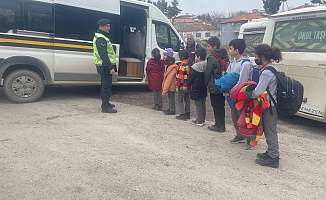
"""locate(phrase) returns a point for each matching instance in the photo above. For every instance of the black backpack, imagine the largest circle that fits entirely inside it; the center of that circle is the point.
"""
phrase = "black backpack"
(289, 94)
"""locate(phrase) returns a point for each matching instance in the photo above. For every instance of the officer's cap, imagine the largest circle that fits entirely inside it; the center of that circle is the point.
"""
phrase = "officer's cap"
(103, 22)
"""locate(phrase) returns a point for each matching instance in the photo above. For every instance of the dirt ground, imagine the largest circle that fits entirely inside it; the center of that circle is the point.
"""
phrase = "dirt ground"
(62, 147)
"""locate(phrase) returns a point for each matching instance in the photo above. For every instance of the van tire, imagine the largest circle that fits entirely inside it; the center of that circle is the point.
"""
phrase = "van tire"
(23, 86)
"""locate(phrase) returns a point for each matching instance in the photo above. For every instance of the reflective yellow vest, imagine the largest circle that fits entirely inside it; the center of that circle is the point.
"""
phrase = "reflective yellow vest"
(110, 50)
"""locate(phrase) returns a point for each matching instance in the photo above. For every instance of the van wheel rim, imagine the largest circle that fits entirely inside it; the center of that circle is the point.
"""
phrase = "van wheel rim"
(24, 86)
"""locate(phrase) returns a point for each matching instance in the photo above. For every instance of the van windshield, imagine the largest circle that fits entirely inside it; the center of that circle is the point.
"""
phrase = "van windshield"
(301, 35)
(252, 40)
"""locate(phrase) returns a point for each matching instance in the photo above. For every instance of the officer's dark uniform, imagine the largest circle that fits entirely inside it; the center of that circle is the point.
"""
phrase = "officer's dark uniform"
(101, 52)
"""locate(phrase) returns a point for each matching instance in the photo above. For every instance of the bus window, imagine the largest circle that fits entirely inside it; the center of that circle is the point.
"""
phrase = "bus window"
(9, 16)
(166, 37)
(301, 36)
(39, 17)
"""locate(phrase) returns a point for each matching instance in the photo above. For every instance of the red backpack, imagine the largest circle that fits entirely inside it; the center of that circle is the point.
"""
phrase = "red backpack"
(224, 64)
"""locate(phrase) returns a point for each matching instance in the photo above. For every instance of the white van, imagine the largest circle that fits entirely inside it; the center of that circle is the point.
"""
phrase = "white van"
(46, 42)
(301, 36)
(253, 34)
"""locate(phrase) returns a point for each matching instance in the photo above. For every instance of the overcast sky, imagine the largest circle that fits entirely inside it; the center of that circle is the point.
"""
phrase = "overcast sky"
(208, 6)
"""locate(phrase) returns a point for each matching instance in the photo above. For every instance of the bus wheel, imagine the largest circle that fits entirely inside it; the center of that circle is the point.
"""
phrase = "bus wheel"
(23, 86)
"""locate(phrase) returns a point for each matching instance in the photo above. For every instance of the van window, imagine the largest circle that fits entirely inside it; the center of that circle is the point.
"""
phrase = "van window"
(39, 17)
(74, 23)
(166, 37)
(301, 36)
(9, 16)
(252, 40)
(80, 24)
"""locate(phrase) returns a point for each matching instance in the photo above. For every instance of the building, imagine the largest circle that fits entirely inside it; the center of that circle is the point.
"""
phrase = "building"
(190, 24)
(230, 28)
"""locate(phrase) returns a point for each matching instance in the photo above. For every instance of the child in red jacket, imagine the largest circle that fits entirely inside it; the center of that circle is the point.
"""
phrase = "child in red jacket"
(155, 72)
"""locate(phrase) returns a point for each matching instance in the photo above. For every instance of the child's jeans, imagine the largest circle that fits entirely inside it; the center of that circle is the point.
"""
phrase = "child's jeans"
(171, 99)
(235, 114)
(201, 109)
(184, 96)
(157, 94)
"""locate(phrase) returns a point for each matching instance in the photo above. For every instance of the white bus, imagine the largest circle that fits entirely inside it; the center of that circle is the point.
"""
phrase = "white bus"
(301, 35)
(253, 34)
(47, 42)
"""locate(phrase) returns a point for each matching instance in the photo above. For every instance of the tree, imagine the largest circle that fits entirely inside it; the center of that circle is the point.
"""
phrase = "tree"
(162, 5)
(173, 9)
(318, 2)
(271, 6)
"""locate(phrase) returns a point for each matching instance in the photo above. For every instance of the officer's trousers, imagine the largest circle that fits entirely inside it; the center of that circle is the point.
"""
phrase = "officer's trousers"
(106, 84)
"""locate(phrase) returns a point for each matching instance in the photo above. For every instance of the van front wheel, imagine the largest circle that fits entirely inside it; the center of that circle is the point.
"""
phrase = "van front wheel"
(23, 86)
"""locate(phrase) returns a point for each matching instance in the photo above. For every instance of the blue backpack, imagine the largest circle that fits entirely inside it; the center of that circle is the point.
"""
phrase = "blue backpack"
(255, 71)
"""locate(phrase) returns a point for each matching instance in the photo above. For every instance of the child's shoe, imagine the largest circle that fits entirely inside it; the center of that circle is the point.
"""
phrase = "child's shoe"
(169, 112)
(248, 147)
(237, 139)
(155, 107)
(181, 117)
(198, 123)
(269, 162)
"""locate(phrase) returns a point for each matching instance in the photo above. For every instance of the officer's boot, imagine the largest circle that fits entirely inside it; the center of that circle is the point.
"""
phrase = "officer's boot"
(107, 107)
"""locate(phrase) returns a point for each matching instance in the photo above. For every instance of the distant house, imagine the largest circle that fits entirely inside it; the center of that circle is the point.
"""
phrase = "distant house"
(190, 24)
(200, 32)
(230, 27)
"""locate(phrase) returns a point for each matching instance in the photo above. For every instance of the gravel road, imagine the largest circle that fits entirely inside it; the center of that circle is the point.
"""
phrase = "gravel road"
(62, 147)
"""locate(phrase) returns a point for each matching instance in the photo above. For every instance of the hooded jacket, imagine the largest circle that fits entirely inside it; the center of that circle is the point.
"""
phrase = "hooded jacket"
(169, 79)
(155, 73)
(196, 80)
(214, 69)
(243, 67)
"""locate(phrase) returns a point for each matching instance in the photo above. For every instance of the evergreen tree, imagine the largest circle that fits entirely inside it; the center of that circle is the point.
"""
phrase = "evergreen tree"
(173, 9)
(271, 6)
(318, 2)
(162, 5)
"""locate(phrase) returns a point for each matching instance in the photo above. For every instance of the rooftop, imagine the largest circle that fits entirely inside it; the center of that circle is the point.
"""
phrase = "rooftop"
(246, 17)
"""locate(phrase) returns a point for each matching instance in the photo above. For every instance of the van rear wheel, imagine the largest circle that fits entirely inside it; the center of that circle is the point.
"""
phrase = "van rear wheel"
(23, 86)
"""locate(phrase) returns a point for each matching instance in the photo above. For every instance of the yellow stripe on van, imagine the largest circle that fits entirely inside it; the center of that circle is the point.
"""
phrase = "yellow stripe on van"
(49, 44)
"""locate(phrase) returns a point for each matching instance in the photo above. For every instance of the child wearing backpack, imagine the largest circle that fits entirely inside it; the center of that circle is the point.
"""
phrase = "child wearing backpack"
(198, 91)
(264, 55)
(242, 66)
(182, 86)
(155, 72)
(212, 72)
(168, 84)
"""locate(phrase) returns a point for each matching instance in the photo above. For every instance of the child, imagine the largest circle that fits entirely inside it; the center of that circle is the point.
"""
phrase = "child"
(182, 86)
(155, 73)
(242, 66)
(198, 91)
(264, 55)
(213, 71)
(168, 85)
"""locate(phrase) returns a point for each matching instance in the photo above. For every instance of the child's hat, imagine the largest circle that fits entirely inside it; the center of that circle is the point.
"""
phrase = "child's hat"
(168, 52)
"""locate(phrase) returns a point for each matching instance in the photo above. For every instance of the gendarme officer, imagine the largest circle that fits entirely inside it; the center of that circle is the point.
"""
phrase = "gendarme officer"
(105, 61)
